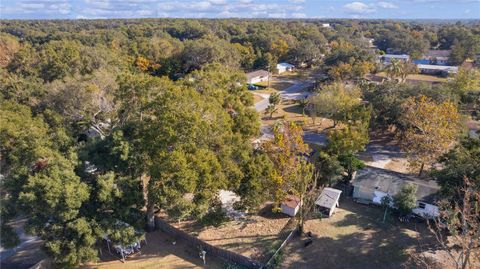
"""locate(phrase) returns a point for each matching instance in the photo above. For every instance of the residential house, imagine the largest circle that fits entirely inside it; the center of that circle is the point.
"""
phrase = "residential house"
(290, 205)
(326, 25)
(435, 57)
(371, 184)
(442, 70)
(327, 202)
(257, 76)
(387, 58)
(473, 128)
(285, 67)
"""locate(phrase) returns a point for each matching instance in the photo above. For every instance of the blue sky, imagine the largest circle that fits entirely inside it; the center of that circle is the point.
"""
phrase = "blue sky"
(73, 9)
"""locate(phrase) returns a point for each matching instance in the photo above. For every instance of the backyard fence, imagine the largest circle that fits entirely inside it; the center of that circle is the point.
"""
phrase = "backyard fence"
(210, 250)
(284, 243)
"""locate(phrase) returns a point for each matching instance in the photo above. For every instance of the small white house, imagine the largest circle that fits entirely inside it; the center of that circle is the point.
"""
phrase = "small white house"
(285, 67)
(326, 25)
(228, 199)
(437, 57)
(290, 205)
(371, 184)
(327, 202)
(257, 76)
(387, 58)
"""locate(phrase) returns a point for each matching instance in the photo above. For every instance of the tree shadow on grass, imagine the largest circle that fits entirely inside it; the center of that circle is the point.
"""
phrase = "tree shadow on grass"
(368, 243)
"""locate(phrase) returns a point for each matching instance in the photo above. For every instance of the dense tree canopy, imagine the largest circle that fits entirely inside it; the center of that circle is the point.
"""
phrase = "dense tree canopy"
(104, 123)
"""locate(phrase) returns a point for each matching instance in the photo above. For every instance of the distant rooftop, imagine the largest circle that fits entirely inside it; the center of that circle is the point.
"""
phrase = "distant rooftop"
(449, 69)
(396, 56)
(438, 54)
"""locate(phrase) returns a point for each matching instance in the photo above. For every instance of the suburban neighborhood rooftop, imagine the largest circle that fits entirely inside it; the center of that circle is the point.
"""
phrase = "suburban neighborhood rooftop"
(391, 182)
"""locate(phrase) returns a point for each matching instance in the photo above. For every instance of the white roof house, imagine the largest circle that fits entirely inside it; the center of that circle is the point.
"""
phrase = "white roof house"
(257, 76)
(290, 205)
(328, 200)
(387, 58)
(284, 67)
(429, 68)
(372, 183)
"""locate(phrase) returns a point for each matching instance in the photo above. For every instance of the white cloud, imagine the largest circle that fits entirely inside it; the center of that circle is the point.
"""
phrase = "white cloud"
(299, 15)
(157, 8)
(277, 15)
(386, 5)
(218, 2)
(358, 8)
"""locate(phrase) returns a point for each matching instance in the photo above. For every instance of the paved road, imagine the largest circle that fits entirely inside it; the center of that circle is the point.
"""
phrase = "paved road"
(294, 92)
(26, 254)
(315, 138)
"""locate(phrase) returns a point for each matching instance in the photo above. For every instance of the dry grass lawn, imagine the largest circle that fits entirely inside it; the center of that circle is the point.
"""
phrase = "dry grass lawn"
(255, 236)
(419, 77)
(291, 111)
(354, 237)
(160, 252)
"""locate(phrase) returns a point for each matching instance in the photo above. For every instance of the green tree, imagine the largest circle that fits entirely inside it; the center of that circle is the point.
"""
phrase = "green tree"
(334, 102)
(345, 143)
(406, 199)
(429, 129)
(463, 161)
(40, 182)
(292, 173)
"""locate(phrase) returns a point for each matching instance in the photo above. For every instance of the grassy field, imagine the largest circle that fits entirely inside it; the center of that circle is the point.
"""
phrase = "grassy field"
(160, 252)
(354, 237)
(256, 236)
(419, 77)
(291, 111)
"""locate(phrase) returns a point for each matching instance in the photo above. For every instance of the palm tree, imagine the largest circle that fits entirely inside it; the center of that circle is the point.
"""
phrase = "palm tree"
(270, 110)
(394, 69)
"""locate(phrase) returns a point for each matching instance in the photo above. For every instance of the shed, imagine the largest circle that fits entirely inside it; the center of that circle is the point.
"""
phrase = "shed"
(372, 183)
(257, 76)
(327, 202)
(291, 205)
(285, 67)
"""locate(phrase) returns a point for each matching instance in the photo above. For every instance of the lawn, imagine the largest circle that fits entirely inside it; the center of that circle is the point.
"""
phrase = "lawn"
(160, 252)
(256, 236)
(419, 77)
(291, 111)
(354, 237)
(275, 85)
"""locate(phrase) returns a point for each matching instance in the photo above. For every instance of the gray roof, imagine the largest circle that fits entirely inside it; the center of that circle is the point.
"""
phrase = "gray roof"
(396, 56)
(391, 182)
(438, 54)
(257, 73)
(449, 69)
(328, 198)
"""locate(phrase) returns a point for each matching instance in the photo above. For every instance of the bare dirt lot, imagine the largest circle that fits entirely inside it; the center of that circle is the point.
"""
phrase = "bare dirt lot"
(355, 237)
(160, 252)
(256, 236)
